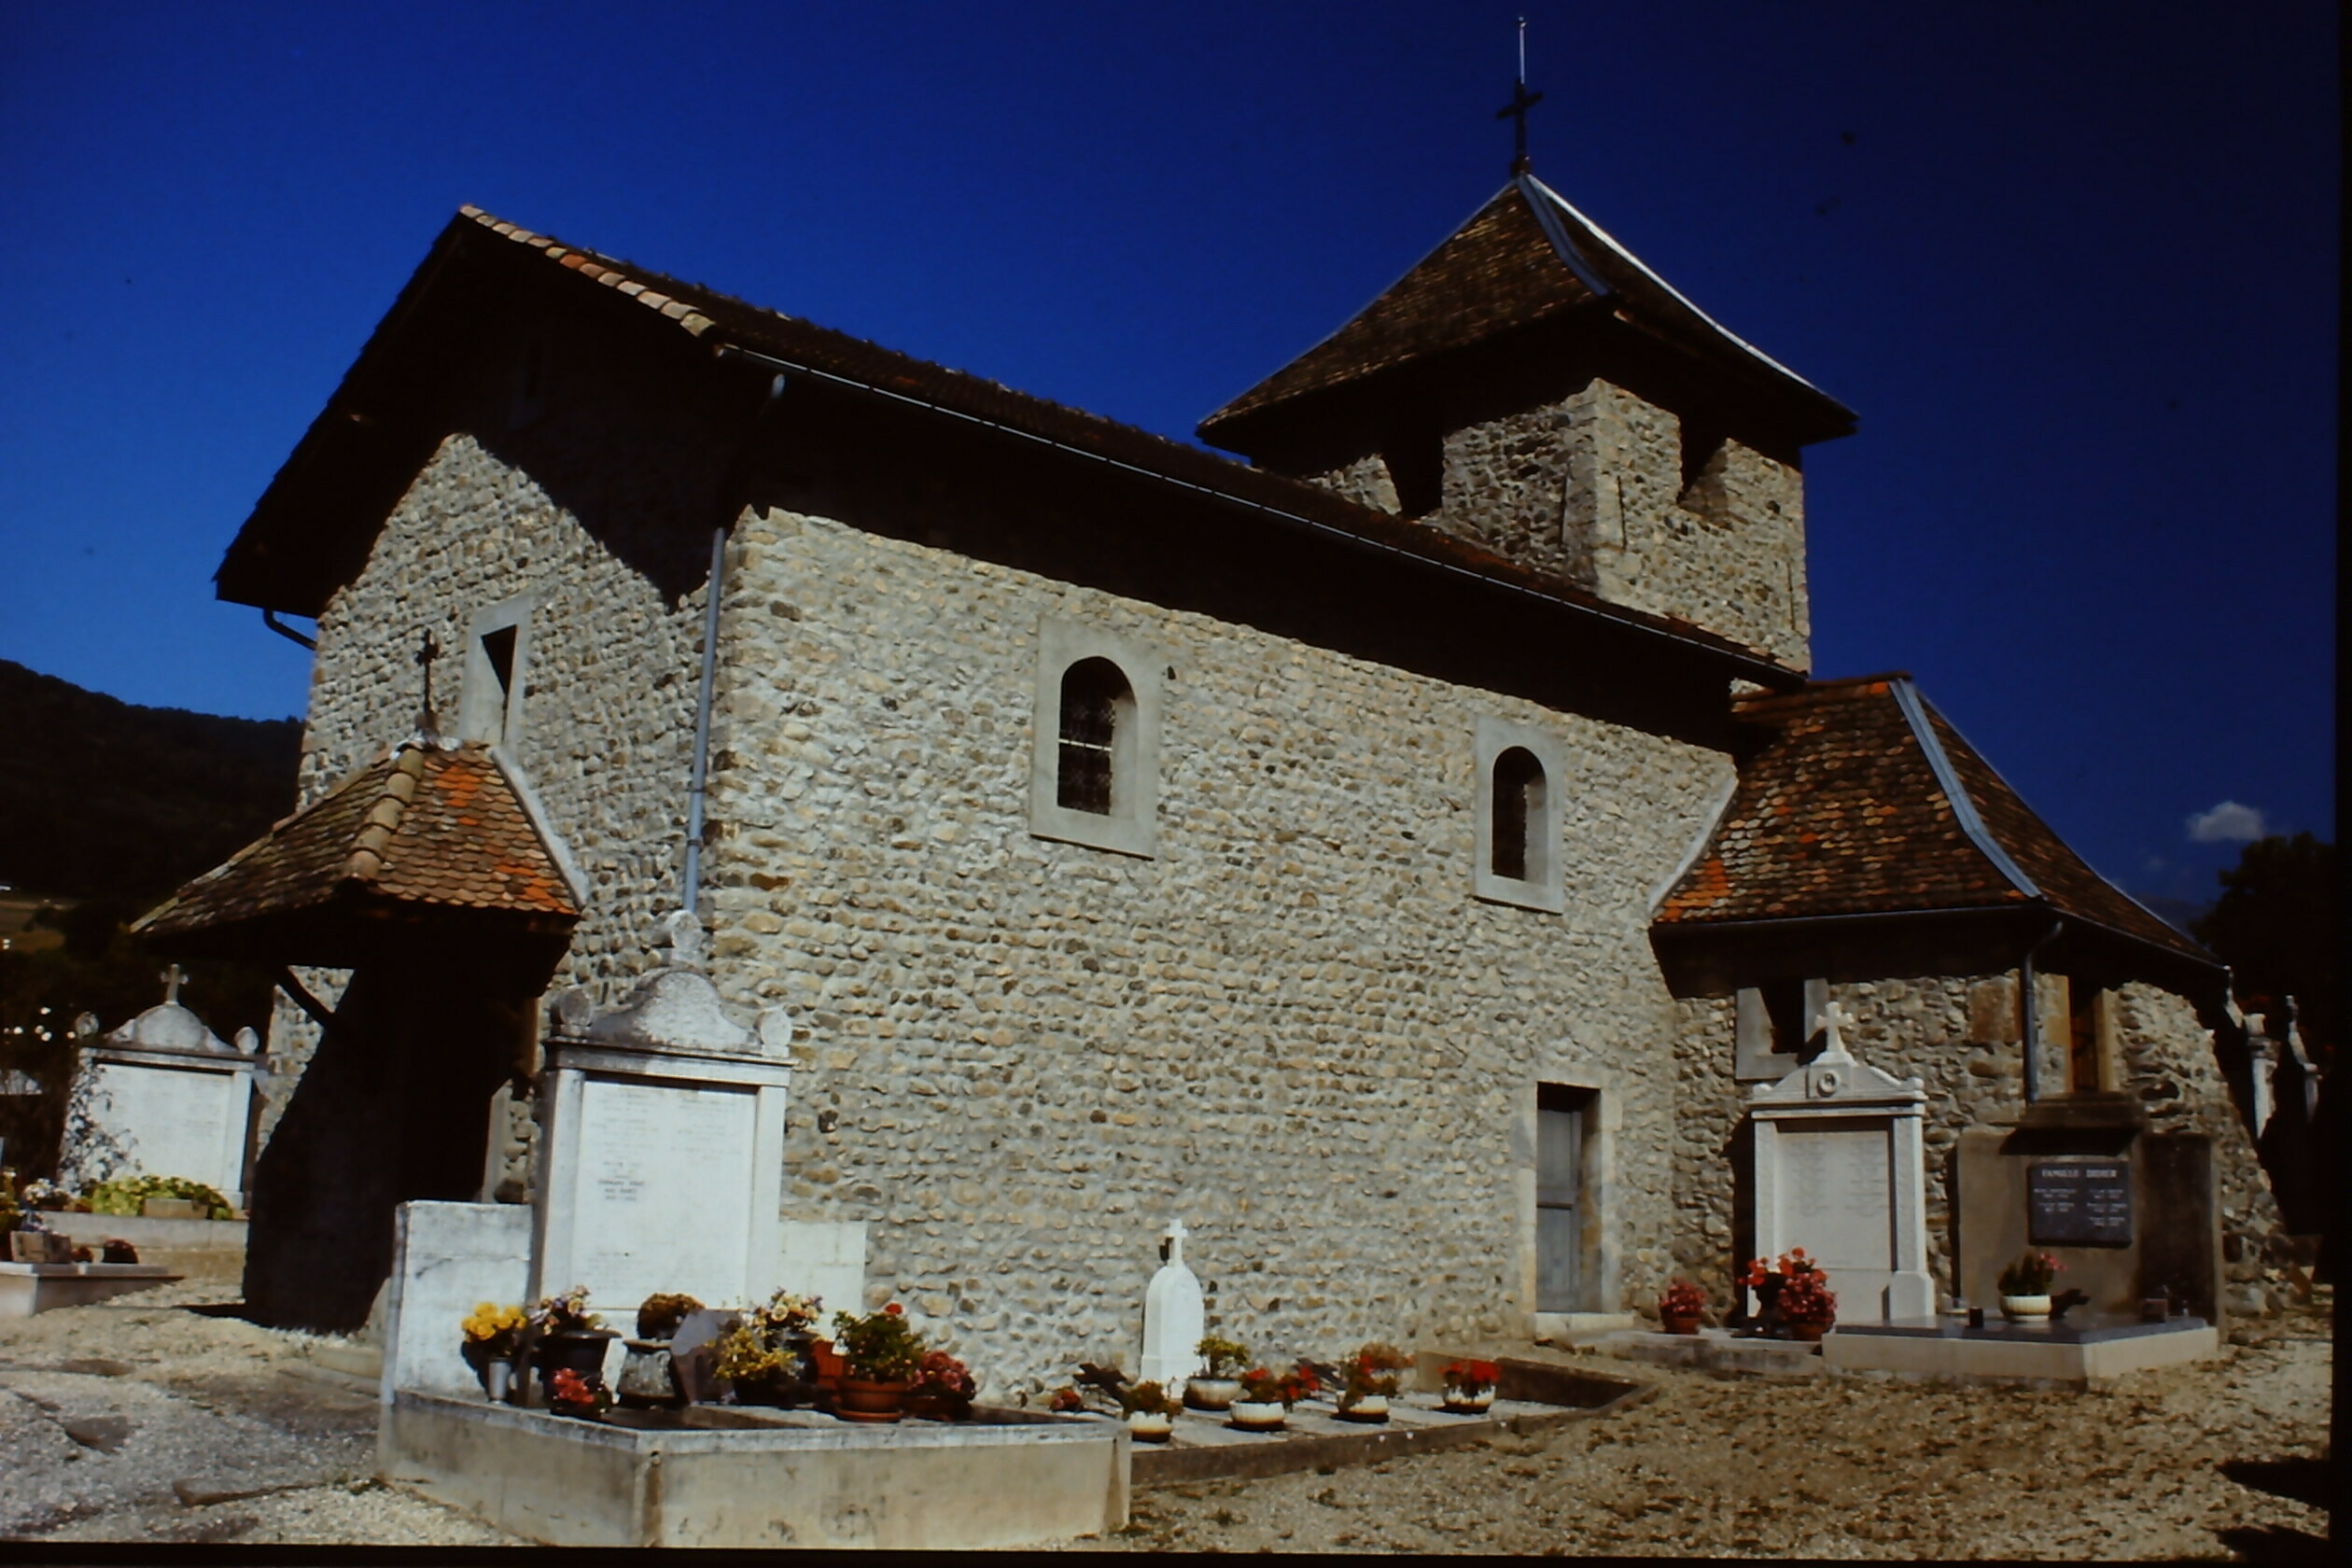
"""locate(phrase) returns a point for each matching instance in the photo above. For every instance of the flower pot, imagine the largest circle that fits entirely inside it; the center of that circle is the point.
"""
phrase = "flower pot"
(582, 1351)
(648, 1379)
(497, 1380)
(860, 1399)
(1807, 1331)
(939, 1407)
(1680, 1322)
(2155, 1308)
(1463, 1404)
(1369, 1408)
(2018, 1308)
(1150, 1426)
(1251, 1415)
(1211, 1393)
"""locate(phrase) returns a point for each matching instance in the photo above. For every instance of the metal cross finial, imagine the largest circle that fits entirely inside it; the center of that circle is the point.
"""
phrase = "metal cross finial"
(170, 978)
(428, 650)
(1522, 101)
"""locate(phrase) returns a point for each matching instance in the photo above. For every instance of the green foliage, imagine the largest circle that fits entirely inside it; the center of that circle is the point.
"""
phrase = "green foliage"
(128, 1194)
(879, 1347)
(2276, 926)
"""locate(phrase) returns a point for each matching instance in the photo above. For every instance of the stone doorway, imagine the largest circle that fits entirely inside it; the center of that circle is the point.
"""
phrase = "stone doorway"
(1563, 1266)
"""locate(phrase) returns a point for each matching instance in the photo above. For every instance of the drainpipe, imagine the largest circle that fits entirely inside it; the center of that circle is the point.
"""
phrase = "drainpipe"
(698, 792)
(2030, 1006)
(269, 619)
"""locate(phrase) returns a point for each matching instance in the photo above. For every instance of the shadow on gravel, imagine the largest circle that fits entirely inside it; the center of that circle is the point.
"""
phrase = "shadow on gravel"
(2299, 1480)
(2276, 1544)
(216, 1309)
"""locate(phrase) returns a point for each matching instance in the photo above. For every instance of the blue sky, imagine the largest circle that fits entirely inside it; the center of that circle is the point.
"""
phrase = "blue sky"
(2073, 265)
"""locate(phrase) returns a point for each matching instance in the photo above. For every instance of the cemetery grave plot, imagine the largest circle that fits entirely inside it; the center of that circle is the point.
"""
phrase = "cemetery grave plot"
(1533, 1398)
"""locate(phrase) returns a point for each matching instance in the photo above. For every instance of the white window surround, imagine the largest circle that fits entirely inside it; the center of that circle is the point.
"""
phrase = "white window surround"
(1542, 887)
(1755, 1058)
(487, 709)
(1131, 828)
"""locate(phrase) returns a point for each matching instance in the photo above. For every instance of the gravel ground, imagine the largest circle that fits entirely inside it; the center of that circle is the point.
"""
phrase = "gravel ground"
(2181, 1462)
(139, 1420)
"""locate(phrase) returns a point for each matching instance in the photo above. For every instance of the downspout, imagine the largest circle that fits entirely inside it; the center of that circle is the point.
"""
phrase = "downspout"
(269, 619)
(2030, 1004)
(698, 792)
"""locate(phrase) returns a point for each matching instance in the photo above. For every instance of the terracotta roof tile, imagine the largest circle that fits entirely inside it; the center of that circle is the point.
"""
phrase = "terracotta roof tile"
(419, 827)
(1844, 812)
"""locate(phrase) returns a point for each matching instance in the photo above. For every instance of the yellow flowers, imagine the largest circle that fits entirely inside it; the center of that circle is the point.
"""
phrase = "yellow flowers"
(492, 1323)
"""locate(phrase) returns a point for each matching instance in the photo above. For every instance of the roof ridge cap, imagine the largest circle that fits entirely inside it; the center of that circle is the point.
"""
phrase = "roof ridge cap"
(366, 860)
(1964, 807)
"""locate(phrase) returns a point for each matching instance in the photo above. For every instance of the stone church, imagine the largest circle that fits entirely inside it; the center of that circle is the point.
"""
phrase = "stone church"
(1399, 852)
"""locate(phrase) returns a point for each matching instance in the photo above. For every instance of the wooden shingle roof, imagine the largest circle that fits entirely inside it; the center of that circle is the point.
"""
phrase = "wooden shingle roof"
(420, 828)
(1865, 801)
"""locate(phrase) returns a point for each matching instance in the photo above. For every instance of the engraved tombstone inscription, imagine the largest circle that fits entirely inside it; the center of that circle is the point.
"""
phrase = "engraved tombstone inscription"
(1835, 1193)
(663, 1201)
(2078, 1202)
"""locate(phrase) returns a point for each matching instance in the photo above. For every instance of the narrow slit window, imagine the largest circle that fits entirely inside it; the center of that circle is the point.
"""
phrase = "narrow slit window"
(498, 648)
(1518, 804)
(2082, 1037)
(1092, 696)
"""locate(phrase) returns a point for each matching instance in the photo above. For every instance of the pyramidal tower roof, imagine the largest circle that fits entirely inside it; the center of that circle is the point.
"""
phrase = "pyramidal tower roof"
(1524, 257)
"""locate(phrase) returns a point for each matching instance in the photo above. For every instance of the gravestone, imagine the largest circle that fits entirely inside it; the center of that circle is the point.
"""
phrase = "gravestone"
(664, 1148)
(160, 1096)
(1174, 1318)
(1840, 1171)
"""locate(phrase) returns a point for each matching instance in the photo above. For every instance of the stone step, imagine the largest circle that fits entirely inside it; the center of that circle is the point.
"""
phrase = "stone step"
(1715, 1349)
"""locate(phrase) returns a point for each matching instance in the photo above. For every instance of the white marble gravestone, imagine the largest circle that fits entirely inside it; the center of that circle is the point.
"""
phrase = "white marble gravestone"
(663, 1161)
(162, 1096)
(1841, 1172)
(1174, 1318)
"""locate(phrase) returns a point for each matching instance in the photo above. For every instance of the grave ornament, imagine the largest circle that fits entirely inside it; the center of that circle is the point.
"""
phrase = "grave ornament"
(1174, 1317)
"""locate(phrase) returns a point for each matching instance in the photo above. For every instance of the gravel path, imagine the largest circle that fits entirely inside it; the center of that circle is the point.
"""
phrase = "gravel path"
(139, 1420)
(1838, 1467)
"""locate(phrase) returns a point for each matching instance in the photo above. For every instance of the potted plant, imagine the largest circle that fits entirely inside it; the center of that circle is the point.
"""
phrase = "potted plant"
(1219, 1381)
(648, 1377)
(880, 1353)
(2026, 1285)
(494, 1339)
(581, 1395)
(1795, 1294)
(1267, 1397)
(765, 1356)
(564, 1335)
(1372, 1382)
(1470, 1386)
(1682, 1308)
(943, 1389)
(1151, 1411)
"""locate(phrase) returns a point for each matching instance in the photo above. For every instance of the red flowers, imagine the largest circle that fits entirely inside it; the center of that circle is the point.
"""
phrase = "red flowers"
(895, 1310)
(1472, 1378)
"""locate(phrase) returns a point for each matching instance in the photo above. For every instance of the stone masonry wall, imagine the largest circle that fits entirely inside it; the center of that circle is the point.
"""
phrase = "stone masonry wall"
(1961, 1037)
(1294, 1026)
(1590, 489)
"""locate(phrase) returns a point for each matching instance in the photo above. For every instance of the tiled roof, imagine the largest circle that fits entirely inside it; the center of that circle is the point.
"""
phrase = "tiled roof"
(1526, 255)
(419, 827)
(1846, 811)
(282, 526)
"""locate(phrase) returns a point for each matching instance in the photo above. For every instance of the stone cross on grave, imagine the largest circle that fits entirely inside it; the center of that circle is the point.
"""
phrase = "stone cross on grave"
(170, 978)
(1834, 1018)
(1175, 1250)
(1174, 1318)
(689, 944)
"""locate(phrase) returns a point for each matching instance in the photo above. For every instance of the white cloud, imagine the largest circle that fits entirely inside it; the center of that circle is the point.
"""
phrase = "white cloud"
(2226, 823)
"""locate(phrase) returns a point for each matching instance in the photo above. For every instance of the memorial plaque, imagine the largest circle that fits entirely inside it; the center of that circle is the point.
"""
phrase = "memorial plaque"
(662, 1197)
(2078, 1203)
(172, 1121)
(1834, 1198)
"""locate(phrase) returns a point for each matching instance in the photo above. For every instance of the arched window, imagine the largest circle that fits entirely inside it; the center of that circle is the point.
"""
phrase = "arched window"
(1094, 699)
(1519, 813)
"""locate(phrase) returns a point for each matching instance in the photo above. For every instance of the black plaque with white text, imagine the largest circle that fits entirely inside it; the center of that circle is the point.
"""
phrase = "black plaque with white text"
(2078, 1202)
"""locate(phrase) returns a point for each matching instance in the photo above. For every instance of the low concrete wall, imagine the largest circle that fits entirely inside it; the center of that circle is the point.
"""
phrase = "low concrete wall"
(27, 1288)
(162, 1235)
(914, 1486)
(447, 1258)
(2085, 1365)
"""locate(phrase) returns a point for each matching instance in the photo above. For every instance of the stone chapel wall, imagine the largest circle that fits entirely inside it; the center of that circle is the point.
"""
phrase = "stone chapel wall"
(1294, 1026)
(1590, 487)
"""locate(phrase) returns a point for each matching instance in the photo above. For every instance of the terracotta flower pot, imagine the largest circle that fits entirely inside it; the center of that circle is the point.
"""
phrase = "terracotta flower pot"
(1680, 1322)
(1807, 1331)
(860, 1399)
